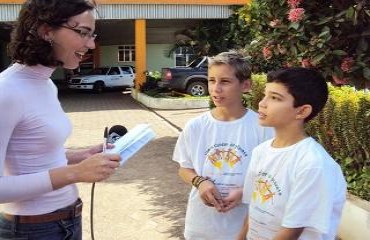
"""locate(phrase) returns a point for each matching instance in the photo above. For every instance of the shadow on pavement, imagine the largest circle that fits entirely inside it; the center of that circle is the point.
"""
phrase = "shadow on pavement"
(144, 199)
(155, 174)
(85, 101)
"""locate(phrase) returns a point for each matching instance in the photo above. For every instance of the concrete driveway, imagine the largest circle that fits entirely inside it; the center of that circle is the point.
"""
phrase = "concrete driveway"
(145, 199)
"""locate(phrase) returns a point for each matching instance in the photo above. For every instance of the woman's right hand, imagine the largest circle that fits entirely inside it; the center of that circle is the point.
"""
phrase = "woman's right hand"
(97, 167)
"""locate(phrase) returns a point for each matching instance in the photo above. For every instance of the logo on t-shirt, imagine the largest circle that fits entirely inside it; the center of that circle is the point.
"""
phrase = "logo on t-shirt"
(224, 153)
(265, 188)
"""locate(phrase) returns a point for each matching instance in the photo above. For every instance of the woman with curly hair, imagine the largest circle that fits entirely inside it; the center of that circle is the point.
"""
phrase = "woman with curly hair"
(37, 175)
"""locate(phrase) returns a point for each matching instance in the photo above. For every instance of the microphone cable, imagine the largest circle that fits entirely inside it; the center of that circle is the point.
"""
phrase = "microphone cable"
(93, 189)
(92, 212)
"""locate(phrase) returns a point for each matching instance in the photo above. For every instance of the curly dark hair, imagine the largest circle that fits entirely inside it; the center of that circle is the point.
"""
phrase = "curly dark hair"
(26, 46)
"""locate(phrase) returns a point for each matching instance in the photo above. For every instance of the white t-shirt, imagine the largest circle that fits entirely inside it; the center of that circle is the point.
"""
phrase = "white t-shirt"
(220, 150)
(33, 129)
(293, 187)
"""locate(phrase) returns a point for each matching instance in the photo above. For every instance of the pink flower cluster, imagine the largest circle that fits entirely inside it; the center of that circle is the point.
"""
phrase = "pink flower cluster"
(296, 14)
(294, 3)
(275, 22)
(267, 53)
(347, 64)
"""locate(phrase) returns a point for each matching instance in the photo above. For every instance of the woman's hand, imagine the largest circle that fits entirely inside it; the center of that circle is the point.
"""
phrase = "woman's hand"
(98, 167)
(95, 168)
(97, 149)
(77, 155)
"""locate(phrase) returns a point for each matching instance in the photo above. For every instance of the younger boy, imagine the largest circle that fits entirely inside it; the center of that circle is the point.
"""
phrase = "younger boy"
(214, 151)
(294, 188)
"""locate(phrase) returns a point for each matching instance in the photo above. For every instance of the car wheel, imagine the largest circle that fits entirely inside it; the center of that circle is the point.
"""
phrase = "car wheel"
(98, 87)
(197, 89)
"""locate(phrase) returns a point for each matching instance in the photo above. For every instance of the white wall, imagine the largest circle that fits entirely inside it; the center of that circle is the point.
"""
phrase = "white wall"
(355, 222)
(156, 56)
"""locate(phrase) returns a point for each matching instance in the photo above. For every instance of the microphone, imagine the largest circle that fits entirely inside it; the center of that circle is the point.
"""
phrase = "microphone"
(132, 142)
(115, 133)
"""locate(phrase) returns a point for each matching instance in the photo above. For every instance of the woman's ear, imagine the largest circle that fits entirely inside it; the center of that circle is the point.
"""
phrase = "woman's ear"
(45, 32)
(303, 111)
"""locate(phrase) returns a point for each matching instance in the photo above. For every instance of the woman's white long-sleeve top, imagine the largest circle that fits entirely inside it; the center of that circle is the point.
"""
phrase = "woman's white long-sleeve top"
(33, 130)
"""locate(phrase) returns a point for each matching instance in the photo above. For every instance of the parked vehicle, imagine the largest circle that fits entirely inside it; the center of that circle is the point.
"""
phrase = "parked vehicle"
(191, 79)
(104, 77)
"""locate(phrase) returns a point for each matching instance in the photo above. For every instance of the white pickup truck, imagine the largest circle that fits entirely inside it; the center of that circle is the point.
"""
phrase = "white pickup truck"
(104, 77)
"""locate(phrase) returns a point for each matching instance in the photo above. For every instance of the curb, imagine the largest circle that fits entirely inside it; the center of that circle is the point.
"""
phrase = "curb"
(167, 103)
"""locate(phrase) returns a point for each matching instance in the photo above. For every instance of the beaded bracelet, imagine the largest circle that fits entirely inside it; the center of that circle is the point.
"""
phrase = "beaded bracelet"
(197, 180)
(202, 180)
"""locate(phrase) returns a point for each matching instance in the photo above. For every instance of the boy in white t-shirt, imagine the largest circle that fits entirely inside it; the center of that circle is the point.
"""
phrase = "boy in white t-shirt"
(294, 187)
(214, 151)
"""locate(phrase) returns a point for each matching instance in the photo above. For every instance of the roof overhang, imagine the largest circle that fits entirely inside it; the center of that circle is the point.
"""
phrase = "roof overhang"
(144, 9)
(190, 2)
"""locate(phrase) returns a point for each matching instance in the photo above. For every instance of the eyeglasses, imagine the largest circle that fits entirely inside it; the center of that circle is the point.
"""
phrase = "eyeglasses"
(83, 34)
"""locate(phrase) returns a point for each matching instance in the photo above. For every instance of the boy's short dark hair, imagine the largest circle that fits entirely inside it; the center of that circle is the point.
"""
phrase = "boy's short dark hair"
(307, 86)
(234, 59)
(26, 46)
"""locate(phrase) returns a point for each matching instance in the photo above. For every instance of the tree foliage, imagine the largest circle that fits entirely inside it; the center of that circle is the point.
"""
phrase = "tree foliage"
(332, 36)
(213, 36)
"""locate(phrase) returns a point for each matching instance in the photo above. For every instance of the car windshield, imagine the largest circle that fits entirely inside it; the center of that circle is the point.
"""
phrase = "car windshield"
(98, 71)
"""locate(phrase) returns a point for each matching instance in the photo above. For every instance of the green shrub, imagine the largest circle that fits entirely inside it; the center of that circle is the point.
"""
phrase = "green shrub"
(343, 128)
(151, 82)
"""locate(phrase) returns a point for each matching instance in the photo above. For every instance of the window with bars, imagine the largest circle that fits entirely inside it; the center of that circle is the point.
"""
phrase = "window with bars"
(126, 53)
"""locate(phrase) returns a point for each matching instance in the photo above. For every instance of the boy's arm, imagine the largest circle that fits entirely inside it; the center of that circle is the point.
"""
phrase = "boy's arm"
(288, 234)
(187, 174)
(243, 232)
(207, 190)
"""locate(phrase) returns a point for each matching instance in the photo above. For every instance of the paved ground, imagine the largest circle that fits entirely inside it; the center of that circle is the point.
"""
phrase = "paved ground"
(145, 199)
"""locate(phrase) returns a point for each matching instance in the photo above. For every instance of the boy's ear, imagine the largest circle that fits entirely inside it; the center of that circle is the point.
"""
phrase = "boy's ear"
(246, 85)
(303, 111)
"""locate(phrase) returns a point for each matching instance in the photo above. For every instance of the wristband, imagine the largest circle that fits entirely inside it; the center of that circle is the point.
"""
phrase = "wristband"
(202, 180)
(198, 180)
(195, 179)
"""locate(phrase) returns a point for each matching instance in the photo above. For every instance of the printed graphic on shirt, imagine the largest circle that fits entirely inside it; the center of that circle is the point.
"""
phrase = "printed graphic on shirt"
(266, 188)
(225, 153)
(225, 156)
(224, 166)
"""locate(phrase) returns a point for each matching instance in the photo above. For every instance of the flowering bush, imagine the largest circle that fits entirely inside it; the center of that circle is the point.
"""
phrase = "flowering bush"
(332, 36)
(296, 14)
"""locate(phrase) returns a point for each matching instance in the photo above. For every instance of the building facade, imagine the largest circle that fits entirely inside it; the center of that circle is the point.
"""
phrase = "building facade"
(139, 33)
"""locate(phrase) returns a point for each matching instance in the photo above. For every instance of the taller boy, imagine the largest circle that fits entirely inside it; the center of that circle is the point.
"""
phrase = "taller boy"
(295, 189)
(214, 151)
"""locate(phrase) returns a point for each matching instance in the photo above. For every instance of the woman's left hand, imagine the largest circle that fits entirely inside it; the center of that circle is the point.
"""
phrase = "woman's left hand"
(97, 149)
(77, 155)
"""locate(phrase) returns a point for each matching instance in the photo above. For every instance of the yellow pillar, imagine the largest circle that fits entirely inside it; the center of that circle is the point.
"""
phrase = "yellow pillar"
(140, 51)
